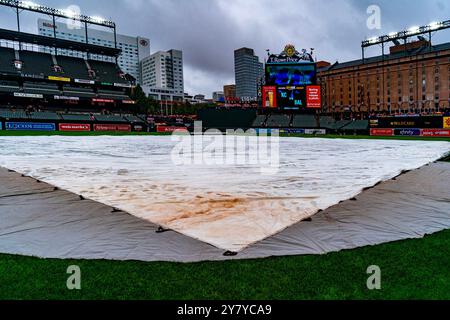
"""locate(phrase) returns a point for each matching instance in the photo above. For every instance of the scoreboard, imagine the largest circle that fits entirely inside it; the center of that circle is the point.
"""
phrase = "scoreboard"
(291, 81)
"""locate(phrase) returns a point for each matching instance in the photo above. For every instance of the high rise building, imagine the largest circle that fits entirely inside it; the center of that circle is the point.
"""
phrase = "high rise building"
(247, 70)
(229, 91)
(134, 49)
(162, 75)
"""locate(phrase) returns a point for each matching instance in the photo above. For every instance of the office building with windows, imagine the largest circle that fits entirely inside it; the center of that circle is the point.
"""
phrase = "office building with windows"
(248, 69)
(162, 75)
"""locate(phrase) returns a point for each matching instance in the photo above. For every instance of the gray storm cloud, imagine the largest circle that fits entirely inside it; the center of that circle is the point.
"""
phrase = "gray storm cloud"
(208, 31)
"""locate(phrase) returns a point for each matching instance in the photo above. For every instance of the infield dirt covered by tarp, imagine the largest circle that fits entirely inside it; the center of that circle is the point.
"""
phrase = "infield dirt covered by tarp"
(37, 220)
(230, 206)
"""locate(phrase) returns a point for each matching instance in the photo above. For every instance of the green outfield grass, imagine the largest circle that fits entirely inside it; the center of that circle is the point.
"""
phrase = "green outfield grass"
(92, 133)
(411, 269)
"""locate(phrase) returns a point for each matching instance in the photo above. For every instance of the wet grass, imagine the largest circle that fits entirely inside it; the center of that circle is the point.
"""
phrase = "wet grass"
(93, 133)
(411, 269)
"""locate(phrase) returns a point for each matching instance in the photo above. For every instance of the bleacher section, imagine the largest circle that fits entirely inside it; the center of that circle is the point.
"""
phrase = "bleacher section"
(75, 117)
(356, 126)
(9, 86)
(305, 121)
(133, 119)
(110, 94)
(73, 67)
(78, 91)
(106, 71)
(37, 64)
(260, 121)
(110, 118)
(227, 118)
(7, 61)
(41, 88)
(278, 121)
(44, 116)
(9, 114)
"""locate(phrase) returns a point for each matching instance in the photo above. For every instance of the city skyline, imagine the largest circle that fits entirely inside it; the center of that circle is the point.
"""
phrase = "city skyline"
(208, 31)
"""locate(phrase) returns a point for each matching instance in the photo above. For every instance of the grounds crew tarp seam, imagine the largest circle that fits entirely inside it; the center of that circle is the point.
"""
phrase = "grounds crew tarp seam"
(47, 223)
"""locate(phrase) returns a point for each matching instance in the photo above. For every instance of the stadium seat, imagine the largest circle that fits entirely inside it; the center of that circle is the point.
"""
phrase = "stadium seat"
(44, 116)
(9, 86)
(356, 126)
(41, 88)
(106, 71)
(76, 117)
(73, 67)
(111, 94)
(227, 118)
(260, 121)
(37, 64)
(133, 119)
(8, 114)
(79, 92)
(278, 121)
(305, 121)
(110, 118)
(7, 60)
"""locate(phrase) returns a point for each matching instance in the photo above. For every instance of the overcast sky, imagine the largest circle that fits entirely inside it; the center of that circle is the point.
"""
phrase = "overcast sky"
(208, 31)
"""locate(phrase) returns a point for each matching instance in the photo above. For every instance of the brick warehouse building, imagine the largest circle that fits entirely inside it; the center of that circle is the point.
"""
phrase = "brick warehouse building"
(412, 78)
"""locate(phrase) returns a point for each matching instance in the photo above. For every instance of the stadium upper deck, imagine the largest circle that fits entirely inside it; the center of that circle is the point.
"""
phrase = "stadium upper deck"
(28, 73)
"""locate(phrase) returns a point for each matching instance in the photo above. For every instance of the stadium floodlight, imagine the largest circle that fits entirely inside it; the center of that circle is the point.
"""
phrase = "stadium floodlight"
(31, 6)
(393, 34)
(434, 25)
(70, 14)
(414, 30)
(98, 19)
(411, 32)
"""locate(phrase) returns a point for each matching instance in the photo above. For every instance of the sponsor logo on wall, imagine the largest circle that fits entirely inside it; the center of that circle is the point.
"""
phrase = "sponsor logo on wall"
(28, 95)
(381, 132)
(112, 127)
(408, 132)
(30, 126)
(436, 133)
(170, 129)
(77, 127)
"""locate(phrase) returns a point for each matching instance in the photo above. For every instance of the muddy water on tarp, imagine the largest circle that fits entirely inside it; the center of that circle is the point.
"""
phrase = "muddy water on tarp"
(229, 206)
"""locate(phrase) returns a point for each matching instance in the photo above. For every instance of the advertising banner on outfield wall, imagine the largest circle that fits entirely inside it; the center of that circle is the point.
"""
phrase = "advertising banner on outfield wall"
(30, 126)
(413, 122)
(381, 132)
(446, 123)
(293, 131)
(316, 131)
(112, 127)
(164, 129)
(74, 127)
(436, 133)
(408, 132)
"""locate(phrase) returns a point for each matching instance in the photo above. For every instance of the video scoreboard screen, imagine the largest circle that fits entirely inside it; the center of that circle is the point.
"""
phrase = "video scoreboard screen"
(291, 74)
(291, 97)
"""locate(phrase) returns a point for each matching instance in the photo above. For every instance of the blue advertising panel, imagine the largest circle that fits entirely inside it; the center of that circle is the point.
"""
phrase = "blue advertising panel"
(293, 131)
(30, 126)
(408, 132)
